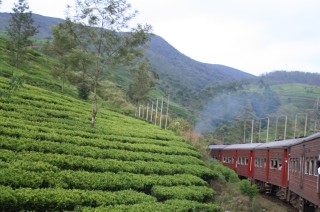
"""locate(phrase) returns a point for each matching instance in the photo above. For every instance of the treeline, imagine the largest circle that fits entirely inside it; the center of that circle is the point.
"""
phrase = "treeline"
(284, 77)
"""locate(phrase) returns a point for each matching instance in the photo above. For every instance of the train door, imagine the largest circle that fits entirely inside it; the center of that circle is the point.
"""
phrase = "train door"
(268, 165)
(250, 164)
(284, 168)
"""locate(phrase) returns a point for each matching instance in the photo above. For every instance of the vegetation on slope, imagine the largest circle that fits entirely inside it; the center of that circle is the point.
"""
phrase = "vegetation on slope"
(52, 159)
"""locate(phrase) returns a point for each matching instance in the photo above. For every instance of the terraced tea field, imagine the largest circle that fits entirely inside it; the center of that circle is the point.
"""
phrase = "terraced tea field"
(51, 159)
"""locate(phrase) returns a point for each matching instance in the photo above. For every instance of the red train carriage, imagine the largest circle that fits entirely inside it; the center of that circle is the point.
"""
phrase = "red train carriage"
(215, 151)
(304, 182)
(288, 167)
(271, 166)
(239, 157)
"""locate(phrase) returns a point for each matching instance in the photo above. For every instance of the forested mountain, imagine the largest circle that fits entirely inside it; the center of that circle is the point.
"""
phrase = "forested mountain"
(212, 96)
(177, 69)
(43, 22)
(179, 76)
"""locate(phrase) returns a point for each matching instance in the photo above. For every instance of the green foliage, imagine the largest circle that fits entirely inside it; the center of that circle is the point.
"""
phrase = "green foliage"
(141, 85)
(225, 173)
(179, 126)
(16, 82)
(167, 206)
(19, 31)
(97, 25)
(247, 189)
(50, 158)
(198, 193)
(63, 199)
(83, 90)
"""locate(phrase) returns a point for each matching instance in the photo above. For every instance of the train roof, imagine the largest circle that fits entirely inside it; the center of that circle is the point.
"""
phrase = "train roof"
(311, 137)
(242, 146)
(280, 144)
(217, 146)
(272, 144)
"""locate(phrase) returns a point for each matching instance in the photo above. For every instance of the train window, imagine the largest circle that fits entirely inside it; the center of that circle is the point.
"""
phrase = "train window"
(315, 169)
(239, 160)
(307, 165)
(300, 164)
(294, 165)
(279, 164)
(274, 164)
(311, 171)
(290, 165)
(247, 160)
(264, 162)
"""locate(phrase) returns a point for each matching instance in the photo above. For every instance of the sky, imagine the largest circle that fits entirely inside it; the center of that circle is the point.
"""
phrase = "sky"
(255, 36)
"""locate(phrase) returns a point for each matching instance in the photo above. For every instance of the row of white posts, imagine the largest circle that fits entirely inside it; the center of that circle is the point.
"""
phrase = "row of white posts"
(147, 112)
(276, 130)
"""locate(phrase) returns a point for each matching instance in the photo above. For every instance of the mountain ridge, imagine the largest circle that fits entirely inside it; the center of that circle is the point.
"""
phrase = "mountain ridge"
(172, 66)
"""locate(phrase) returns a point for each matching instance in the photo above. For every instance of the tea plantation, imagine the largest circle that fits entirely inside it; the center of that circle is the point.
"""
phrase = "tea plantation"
(51, 159)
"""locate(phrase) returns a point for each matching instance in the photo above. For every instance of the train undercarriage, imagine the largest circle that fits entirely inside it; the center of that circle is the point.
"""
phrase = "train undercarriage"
(286, 195)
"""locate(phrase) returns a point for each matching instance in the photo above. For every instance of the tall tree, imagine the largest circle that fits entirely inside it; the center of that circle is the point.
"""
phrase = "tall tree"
(20, 30)
(140, 87)
(102, 24)
(63, 45)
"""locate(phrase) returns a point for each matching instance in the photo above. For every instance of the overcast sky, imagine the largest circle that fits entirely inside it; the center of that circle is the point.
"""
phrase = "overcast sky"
(255, 36)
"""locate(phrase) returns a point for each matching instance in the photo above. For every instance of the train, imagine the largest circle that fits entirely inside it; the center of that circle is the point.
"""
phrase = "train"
(289, 169)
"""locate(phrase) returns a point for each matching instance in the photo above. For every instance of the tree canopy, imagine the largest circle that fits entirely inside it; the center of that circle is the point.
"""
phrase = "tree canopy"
(19, 31)
(101, 29)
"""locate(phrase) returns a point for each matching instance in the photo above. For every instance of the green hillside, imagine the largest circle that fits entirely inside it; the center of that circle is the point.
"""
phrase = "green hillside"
(51, 158)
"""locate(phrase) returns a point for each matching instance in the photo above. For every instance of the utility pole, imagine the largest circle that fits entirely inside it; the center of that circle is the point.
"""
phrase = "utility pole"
(244, 132)
(305, 125)
(252, 122)
(167, 114)
(147, 112)
(161, 112)
(268, 130)
(155, 119)
(151, 111)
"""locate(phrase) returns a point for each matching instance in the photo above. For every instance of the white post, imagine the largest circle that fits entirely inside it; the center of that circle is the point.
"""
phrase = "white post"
(155, 119)
(151, 111)
(275, 135)
(167, 114)
(161, 113)
(268, 130)
(285, 129)
(252, 122)
(142, 112)
(139, 111)
(305, 125)
(244, 132)
(295, 126)
(259, 129)
(147, 112)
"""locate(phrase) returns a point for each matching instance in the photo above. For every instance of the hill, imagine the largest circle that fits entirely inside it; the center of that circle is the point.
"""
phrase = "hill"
(178, 70)
(43, 22)
(51, 158)
(180, 76)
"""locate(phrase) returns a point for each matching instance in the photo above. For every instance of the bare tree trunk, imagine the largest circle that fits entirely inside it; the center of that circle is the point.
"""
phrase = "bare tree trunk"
(95, 108)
